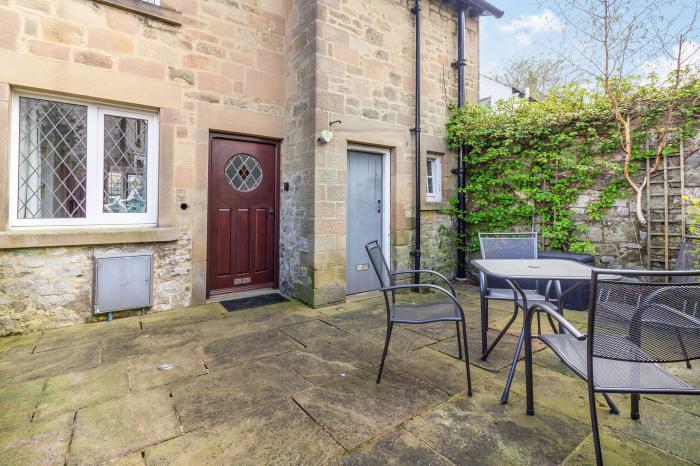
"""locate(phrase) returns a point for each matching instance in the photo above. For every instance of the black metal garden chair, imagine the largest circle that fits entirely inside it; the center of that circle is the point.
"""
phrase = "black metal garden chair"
(505, 245)
(442, 310)
(632, 326)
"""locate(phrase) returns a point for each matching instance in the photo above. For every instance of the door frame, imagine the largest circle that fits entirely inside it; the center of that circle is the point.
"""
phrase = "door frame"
(385, 152)
(276, 257)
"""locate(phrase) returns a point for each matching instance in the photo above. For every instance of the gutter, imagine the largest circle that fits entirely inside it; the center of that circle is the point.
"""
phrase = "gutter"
(416, 253)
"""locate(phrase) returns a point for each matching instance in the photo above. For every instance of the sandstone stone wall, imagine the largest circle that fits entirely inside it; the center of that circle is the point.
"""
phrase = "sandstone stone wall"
(365, 78)
(52, 287)
(619, 240)
(281, 69)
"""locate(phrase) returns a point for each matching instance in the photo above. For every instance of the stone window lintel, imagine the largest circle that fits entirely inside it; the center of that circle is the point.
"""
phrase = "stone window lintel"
(162, 13)
(41, 238)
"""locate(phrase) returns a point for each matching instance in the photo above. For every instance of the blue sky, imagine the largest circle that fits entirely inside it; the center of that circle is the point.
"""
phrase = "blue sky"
(529, 28)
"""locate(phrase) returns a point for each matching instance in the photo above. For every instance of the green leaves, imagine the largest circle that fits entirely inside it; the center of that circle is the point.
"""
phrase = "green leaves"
(531, 163)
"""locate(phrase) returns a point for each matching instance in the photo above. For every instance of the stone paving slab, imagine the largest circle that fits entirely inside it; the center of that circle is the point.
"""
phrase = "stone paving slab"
(144, 372)
(321, 362)
(17, 403)
(118, 427)
(18, 344)
(438, 369)
(226, 351)
(359, 322)
(621, 449)
(355, 409)
(395, 448)
(479, 430)
(44, 442)
(45, 364)
(74, 390)
(312, 330)
(150, 323)
(92, 332)
(213, 398)
(121, 347)
(660, 425)
(272, 387)
(278, 433)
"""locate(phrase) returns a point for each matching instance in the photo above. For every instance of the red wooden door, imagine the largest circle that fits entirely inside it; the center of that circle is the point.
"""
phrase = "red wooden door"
(242, 252)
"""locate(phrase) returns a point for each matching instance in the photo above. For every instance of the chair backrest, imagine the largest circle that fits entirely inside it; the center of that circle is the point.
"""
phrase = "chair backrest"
(646, 319)
(688, 256)
(509, 245)
(376, 257)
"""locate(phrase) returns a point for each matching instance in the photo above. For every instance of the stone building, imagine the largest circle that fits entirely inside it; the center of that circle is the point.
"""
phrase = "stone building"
(190, 129)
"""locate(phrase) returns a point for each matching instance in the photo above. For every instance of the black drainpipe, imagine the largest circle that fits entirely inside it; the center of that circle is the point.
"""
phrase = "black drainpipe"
(461, 166)
(416, 133)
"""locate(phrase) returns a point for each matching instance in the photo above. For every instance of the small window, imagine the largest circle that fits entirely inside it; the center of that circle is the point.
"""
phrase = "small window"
(152, 2)
(433, 186)
(77, 163)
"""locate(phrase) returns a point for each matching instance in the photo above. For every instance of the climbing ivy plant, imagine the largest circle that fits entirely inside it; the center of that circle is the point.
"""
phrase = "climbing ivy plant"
(529, 163)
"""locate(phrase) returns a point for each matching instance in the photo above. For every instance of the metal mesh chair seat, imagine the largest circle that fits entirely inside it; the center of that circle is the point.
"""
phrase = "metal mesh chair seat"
(403, 313)
(506, 294)
(611, 374)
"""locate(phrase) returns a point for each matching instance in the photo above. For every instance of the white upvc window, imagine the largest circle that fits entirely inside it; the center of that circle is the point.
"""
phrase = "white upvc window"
(433, 178)
(76, 163)
(152, 2)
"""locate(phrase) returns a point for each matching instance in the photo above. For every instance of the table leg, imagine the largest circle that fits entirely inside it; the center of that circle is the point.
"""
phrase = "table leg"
(511, 372)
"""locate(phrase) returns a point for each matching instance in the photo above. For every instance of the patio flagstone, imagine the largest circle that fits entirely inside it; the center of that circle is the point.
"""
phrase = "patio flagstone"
(17, 402)
(355, 408)
(144, 372)
(278, 433)
(312, 330)
(619, 448)
(150, 323)
(112, 429)
(215, 397)
(480, 430)
(74, 390)
(285, 384)
(435, 368)
(25, 367)
(44, 442)
(251, 346)
(396, 448)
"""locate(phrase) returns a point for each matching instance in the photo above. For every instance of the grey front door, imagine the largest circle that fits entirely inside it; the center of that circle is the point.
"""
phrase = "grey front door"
(364, 221)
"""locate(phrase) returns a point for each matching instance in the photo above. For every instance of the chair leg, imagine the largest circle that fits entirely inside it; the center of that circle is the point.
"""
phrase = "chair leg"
(484, 323)
(466, 358)
(511, 372)
(685, 352)
(389, 328)
(613, 407)
(635, 406)
(486, 353)
(594, 427)
(459, 340)
(555, 329)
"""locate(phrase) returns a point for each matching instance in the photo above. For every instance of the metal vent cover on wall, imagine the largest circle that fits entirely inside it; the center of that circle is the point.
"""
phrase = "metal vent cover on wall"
(122, 280)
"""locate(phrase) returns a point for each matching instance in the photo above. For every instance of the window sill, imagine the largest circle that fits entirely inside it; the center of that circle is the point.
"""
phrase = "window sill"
(41, 238)
(147, 9)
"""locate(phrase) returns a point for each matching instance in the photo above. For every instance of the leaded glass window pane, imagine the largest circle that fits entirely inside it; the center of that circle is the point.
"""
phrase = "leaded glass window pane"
(243, 172)
(52, 175)
(125, 164)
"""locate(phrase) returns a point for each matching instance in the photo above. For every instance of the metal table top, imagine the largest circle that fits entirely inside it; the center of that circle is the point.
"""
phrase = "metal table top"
(537, 269)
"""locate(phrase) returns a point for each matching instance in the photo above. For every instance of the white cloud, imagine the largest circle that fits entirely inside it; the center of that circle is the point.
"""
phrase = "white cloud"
(534, 24)
(523, 39)
(663, 65)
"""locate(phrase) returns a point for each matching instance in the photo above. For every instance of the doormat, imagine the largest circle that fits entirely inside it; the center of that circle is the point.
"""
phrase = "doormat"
(232, 305)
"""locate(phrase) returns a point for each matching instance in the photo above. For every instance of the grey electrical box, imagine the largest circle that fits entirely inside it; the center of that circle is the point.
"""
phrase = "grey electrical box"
(122, 281)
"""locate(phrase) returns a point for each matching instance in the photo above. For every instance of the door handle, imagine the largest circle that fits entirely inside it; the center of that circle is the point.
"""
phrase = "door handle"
(271, 212)
(379, 206)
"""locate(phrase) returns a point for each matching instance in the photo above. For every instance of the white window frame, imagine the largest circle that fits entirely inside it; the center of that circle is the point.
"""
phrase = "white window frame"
(436, 161)
(94, 215)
